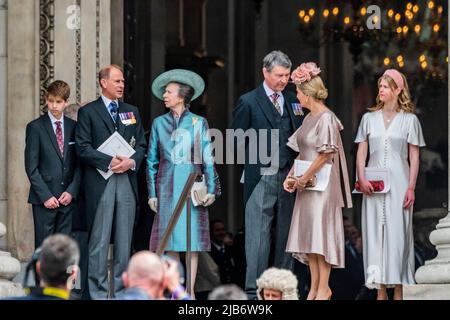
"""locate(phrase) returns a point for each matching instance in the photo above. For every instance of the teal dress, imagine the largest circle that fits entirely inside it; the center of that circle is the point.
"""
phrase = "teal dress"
(177, 148)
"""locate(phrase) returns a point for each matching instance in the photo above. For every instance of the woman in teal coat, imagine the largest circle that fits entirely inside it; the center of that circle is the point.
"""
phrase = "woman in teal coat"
(180, 145)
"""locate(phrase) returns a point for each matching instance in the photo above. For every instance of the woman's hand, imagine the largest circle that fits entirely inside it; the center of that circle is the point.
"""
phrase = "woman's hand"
(153, 204)
(365, 187)
(209, 200)
(301, 183)
(409, 199)
(289, 184)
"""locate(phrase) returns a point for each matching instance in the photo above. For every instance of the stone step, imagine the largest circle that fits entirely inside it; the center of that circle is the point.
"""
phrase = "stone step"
(426, 292)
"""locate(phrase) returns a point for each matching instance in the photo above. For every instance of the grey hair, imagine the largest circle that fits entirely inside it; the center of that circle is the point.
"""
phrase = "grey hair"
(105, 72)
(276, 58)
(279, 279)
(227, 292)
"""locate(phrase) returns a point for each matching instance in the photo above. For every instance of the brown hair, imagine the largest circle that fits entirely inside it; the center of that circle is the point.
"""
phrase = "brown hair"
(105, 72)
(58, 88)
(404, 98)
(58, 254)
(314, 88)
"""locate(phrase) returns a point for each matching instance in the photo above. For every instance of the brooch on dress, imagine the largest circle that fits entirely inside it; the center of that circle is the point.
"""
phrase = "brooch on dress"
(194, 121)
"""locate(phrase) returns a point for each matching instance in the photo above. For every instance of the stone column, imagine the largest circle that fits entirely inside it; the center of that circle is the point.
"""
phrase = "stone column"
(433, 278)
(81, 43)
(9, 268)
(63, 41)
(117, 32)
(23, 106)
(3, 103)
(95, 45)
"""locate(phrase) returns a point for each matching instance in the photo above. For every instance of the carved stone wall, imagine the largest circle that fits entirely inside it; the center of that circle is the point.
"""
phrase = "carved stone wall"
(46, 46)
(48, 40)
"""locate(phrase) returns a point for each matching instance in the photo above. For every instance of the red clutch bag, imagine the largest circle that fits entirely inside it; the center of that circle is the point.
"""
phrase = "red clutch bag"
(378, 185)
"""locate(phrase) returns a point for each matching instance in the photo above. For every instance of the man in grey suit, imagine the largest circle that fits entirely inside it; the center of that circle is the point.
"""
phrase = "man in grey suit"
(267, 108)
(110, 204)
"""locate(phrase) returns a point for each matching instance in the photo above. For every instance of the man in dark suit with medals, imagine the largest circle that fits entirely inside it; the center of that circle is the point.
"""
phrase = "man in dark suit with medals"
(111, 203)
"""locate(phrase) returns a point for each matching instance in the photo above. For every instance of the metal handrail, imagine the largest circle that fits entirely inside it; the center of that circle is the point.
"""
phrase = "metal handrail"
(185, 198)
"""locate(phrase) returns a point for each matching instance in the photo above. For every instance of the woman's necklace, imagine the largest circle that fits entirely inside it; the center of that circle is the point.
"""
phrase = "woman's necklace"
(389, 118)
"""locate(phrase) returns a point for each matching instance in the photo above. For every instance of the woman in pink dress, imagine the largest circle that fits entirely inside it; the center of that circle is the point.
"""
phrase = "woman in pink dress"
(316, 235)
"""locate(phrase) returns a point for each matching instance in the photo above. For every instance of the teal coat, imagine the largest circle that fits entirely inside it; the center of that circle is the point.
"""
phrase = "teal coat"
(176, 149)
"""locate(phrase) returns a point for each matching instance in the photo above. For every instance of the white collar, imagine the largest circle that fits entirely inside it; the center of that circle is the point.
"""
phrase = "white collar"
(53, 119)
(107, 101)
(270, 92)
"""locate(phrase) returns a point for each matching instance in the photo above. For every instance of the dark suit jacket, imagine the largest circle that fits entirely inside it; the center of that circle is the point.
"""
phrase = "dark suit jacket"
(94, 127)
(50, 174)
(224, 261)
(254, 110)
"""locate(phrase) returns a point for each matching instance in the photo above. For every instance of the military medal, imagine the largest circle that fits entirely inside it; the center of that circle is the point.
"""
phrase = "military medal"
(127, 118)
(297, 108)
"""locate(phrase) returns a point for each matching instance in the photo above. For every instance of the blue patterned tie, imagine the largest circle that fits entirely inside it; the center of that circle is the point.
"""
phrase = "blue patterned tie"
(113, 110)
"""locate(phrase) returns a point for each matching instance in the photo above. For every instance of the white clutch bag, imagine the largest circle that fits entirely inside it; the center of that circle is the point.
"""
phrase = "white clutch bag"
(322, 176)
(199, 192)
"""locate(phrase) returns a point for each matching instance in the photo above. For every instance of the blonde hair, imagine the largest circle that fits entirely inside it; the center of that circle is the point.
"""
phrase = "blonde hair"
(314, 88)
(404, 98)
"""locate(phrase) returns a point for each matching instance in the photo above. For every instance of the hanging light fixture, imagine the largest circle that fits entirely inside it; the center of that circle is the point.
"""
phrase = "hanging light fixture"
(405, 25)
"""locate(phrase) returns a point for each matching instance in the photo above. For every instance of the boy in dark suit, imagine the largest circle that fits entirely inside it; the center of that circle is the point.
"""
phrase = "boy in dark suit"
(52, 166)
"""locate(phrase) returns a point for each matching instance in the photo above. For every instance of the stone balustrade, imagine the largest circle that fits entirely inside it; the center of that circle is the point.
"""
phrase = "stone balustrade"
(9, 268)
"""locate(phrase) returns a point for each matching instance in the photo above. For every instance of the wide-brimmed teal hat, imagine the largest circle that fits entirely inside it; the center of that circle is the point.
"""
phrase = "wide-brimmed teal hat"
(181, 76)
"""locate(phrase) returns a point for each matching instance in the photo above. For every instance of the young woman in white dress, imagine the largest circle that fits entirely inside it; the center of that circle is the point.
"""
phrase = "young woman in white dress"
(392, 135)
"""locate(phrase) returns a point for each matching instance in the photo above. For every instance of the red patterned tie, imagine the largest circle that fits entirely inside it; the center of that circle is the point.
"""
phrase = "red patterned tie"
(59, 137)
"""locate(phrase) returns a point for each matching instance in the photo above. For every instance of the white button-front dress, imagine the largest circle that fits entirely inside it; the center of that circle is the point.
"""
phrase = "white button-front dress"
(387, 230)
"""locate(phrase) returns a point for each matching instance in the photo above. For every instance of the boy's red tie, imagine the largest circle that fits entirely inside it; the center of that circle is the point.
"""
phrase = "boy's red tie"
(59, 137)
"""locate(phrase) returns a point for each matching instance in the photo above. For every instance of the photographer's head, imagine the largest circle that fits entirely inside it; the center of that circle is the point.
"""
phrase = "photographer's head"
(154, 275)
(145, 271)
(57, 264)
